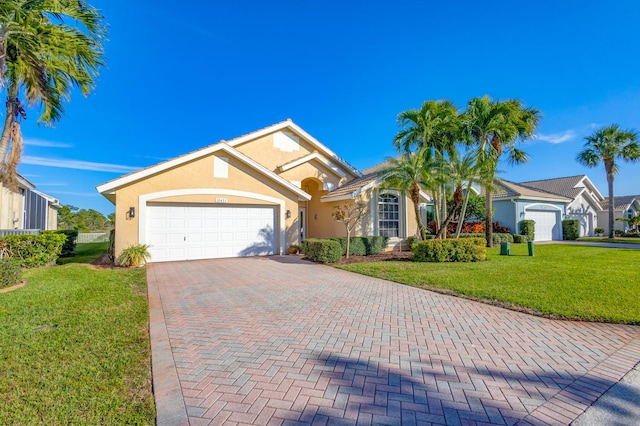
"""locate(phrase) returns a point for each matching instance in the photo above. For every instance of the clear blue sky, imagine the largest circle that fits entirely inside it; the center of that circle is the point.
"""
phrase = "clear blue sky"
(181, 76)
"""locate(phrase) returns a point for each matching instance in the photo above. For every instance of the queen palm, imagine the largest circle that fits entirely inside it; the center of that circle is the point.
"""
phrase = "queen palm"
(609, 145)
(47, 47)
(494, 127)
(411, 172)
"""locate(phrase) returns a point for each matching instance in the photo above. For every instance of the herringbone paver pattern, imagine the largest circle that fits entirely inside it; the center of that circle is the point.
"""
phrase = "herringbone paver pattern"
(280, 341)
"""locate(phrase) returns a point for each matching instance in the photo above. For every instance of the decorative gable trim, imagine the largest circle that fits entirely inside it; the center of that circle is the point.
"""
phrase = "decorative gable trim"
(288, 124)
(313, 156)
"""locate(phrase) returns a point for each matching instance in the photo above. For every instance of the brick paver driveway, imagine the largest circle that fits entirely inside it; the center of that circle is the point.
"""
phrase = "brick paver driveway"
(280, 341)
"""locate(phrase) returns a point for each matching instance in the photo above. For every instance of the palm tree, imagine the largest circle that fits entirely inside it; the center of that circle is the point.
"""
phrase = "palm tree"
(608, 145)
(435, 128)
(410, 172)
(493, 127)
(47, 47)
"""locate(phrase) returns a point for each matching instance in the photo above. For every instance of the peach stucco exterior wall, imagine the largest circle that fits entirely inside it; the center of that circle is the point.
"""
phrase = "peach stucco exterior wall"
(11, 206)
(194, 175)
(52, 218)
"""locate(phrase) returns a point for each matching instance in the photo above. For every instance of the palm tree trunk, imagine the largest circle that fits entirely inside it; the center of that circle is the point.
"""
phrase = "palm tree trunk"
(463, 211)
(5, 138)
(442, 232)
(415, 198)
(488, 223)
(609, 168)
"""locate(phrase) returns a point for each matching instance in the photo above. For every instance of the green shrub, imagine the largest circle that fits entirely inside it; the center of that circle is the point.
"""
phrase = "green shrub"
(363, 246)
(451, 250)
(375, 244)
(632, 234)
(356, 246)
(599, 231)
(69, 247)
(322, 250)
(33, 250)
(519, 239)
(502, 238)
(134, 256)
(618, 233)
(464, 235)
(10, 273)
(570, 229)
(528, 228)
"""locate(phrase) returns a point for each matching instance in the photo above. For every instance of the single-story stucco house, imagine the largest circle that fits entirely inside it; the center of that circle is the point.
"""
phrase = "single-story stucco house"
(26, 208)
(548, 202)
(256, 194)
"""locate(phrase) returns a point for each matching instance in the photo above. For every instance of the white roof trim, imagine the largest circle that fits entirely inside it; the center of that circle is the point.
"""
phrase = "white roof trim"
(290, 124)
(328, 198)
(592, 187)
(53, 201)
(313, 156)
(110, 187)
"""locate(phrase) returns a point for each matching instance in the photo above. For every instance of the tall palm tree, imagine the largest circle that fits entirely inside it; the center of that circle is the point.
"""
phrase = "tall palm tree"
(494, 127)
(608, 145)
(435, 128)
(47, 47)
(410, 172)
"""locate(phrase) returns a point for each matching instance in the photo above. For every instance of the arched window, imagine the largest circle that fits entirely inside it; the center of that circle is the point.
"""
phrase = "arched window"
(389, 215)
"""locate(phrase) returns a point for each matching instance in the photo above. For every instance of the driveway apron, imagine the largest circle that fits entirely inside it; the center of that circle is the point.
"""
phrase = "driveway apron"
(276, 340)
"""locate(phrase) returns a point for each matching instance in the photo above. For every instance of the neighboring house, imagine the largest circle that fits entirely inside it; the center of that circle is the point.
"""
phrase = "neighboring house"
(627, 206)
(27, 208)
(585, 205)
(256, 194)
(514, 202)
(549, 201)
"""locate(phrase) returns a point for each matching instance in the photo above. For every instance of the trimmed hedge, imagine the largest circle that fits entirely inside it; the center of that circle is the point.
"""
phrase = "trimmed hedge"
(570, 229)
(356, 246)
(363, 246)
(33, 250)
(451, 250)
(10, 273)
(69, 248)
(497, 237)
(502, 238)
(519, 239)
(322, 250)
(528, 228)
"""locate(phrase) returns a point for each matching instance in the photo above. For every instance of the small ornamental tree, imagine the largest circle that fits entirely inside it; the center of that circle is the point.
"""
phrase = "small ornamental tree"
(350, 214)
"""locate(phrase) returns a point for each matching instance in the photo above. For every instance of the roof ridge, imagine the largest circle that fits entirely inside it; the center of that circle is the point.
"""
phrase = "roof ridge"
(558, 178)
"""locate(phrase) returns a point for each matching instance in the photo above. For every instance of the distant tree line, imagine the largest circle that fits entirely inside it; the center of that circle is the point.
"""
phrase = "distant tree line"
(71, 217)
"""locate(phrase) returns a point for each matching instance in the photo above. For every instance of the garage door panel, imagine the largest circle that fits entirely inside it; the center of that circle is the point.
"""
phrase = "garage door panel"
(546, 224)
(199, 232)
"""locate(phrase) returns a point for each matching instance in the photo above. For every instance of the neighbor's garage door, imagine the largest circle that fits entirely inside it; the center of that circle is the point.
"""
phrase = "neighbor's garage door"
(185, 232)
(546, 226)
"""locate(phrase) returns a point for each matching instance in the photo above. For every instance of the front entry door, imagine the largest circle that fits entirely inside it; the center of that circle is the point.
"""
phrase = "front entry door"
(302, 223)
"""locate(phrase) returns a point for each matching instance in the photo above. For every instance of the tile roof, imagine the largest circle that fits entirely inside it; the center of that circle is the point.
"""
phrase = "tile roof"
(352, 187)
(620, 203)
(505, 189)
(564, 186)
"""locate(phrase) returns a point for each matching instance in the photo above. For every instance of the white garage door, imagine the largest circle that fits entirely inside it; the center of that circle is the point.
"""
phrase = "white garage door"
(185, 232)
(546, 226)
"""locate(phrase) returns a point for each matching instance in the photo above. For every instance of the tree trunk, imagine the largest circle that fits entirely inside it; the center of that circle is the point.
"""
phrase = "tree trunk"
(463, 211)
(609, 168)
(415, 199)
(5, 138)
(442, 232)
(488, 232)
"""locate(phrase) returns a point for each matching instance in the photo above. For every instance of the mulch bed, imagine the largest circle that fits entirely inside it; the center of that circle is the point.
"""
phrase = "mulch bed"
(402, 256)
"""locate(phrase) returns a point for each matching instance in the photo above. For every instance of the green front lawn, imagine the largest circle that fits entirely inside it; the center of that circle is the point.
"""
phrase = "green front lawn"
(74, 348)
(86, 253)
(591, 283)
